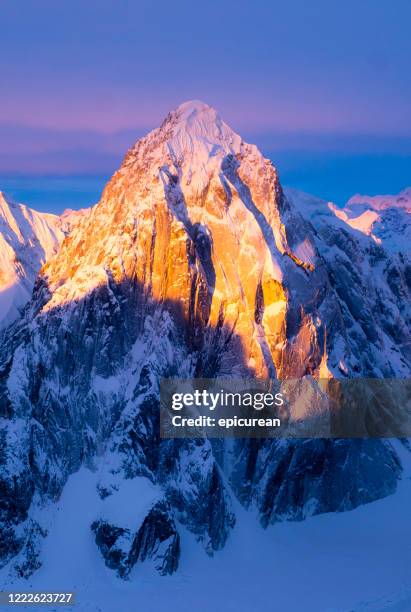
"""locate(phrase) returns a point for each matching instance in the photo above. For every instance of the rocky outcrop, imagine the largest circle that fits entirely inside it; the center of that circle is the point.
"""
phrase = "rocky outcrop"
(155, 540)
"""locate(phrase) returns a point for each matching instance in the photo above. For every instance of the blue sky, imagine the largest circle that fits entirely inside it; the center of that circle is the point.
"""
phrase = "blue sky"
(323, 87)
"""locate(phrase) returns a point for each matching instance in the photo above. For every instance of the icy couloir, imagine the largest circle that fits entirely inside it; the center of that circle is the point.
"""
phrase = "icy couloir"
(194, 263)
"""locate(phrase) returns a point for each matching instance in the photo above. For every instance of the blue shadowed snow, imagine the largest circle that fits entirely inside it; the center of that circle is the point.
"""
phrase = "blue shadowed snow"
(356, 561)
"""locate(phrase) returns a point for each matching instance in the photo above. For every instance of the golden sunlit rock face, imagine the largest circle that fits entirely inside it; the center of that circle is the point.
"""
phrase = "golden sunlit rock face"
(198, 220)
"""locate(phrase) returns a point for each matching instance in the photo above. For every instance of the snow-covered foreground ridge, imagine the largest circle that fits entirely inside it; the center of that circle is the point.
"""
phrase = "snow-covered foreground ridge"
(354, 561)
(194, 263)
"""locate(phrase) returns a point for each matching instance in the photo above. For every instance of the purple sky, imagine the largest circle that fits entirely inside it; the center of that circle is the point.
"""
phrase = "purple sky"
(81, 80)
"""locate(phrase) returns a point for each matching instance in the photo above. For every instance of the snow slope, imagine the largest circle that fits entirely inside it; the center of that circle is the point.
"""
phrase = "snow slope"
(386, 218)
(27, 239)
(345, 562)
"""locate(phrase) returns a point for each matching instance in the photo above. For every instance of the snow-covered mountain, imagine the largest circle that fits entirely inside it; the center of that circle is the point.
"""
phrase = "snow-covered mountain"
(366, 248)
(386, 218)
(27, 240)
(194, 263)
(381, 202)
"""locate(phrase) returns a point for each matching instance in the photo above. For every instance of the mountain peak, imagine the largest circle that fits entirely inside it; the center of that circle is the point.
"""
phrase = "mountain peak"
(194, 107)
(195, 113)
(192, 141)
(195, 124)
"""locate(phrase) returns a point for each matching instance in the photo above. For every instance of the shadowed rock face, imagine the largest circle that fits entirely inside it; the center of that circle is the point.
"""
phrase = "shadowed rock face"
(193, 263)
(290, 480)
(156, 539)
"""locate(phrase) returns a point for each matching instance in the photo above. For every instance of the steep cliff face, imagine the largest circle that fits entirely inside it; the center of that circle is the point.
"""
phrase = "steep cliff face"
(194, 263)
(195, 217)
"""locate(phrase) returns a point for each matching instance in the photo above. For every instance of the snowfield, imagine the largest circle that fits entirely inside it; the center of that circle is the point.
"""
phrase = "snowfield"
(338, 562)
